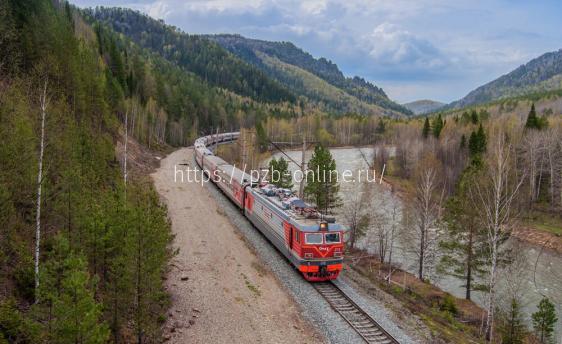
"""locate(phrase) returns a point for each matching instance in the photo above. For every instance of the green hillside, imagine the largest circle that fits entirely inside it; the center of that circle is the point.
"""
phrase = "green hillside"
(541, 74)
(328, 97)
(252, 51)
(193, 53)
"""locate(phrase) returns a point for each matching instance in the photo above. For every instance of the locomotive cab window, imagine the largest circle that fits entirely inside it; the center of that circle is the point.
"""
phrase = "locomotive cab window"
(313, 238)
(333, 238)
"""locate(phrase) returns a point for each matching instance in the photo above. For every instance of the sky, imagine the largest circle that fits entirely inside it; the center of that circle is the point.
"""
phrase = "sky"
(416, 49)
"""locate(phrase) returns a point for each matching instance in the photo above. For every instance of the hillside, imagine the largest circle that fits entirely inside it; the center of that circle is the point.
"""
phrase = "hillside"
(541, 74)
(420, 107)
(261, 54)
(94, 270)
(193, 53)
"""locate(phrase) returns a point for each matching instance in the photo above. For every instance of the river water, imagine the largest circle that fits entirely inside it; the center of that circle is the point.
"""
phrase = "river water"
(542, 270)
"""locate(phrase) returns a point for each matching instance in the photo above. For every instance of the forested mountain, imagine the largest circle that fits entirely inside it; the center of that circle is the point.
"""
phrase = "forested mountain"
(312, 77)
(541, 74)
(194, 53)
(424, 106)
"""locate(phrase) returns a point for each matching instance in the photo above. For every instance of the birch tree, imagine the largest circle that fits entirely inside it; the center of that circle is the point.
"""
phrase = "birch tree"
(493, 195)
(427, 204)
(355, 212)
(43, 106)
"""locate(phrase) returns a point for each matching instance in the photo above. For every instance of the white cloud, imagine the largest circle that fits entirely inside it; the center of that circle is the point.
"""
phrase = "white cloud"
(390, 44)
(158, 9)
(313, 7)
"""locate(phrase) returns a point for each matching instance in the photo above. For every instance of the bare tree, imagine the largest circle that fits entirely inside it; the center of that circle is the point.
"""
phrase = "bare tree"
(354, 213)
(427, 208)
(493, 195)
(511, 294)
(43, 105)
(533, 153)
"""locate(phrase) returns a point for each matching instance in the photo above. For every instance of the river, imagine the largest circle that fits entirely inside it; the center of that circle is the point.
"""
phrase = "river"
(542, 270)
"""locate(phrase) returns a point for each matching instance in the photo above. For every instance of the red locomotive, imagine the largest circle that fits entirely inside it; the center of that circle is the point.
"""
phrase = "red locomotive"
(312, 242)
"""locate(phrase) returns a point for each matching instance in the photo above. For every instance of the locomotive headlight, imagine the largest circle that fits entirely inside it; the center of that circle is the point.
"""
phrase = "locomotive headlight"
(323, 226)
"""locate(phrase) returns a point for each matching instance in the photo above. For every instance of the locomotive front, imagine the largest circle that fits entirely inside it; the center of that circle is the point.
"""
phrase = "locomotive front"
(321, 251)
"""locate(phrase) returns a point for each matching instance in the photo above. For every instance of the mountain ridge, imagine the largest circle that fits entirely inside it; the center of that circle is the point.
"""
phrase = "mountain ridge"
(541, 74)
(252, 51)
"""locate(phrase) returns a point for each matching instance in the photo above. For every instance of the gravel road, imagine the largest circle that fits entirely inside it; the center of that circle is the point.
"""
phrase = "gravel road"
(221, 292)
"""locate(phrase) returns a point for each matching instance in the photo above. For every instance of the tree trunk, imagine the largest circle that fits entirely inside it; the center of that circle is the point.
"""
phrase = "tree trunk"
(469, 263)
(43, 102)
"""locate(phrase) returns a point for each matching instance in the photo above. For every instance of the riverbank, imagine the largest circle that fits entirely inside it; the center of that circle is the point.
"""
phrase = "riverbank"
(526, 233)
(444, 318)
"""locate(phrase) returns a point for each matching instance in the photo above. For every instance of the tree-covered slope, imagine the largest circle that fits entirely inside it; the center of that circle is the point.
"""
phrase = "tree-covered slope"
(252, 51)
(195, 53)
(541, 74)
(327, 97)
(103, 243)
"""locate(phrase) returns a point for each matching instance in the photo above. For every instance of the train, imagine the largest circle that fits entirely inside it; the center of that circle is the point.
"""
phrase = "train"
(312, 242)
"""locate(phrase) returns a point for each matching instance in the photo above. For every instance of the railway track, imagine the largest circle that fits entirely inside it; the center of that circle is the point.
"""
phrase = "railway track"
(363, 323)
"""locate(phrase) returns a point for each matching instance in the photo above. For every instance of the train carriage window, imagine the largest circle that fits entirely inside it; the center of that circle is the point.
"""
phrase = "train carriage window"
(333, 238)
(313, 238)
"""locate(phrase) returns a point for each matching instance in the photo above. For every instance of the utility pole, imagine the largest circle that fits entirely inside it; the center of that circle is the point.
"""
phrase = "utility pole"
(243, 137)
(303, 167)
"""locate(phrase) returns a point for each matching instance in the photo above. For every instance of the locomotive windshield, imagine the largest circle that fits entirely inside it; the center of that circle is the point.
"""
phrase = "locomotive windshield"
(333, 238)
(313, 238)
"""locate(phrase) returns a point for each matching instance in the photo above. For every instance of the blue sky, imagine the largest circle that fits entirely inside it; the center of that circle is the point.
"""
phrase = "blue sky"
(413, 49)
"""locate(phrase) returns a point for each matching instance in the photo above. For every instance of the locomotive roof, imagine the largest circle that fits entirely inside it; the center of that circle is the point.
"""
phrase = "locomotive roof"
(297, 218)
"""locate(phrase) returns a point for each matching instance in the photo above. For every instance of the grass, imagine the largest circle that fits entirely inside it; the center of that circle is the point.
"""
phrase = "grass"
(544, 221)
(250, 286)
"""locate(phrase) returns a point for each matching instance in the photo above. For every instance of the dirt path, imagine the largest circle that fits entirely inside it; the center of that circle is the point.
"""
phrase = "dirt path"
(220, 291)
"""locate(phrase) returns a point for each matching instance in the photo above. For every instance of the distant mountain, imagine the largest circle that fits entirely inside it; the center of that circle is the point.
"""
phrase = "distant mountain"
(420, 107)
(320, 80)
(539, 75)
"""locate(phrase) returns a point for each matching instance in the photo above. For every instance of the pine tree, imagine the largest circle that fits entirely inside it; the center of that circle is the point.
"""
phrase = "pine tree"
(482, 142)
(532, 120)
(67, 297)
(322, 185)
(474, 117)
(464, 250)
(426, 128)
(477, 142)
(544, 320)
(279, 173)
(513, 330)
(438, 125)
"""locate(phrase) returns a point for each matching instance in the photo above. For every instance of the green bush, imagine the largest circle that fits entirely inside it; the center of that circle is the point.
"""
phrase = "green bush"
(448, 305)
